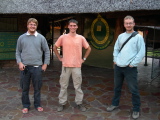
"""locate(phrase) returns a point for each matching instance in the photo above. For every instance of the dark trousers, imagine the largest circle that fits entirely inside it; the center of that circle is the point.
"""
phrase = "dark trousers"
(130, 75)
(34, 74)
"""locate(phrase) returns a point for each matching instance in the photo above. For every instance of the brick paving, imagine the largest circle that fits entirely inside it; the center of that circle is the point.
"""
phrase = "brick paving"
(98, 91)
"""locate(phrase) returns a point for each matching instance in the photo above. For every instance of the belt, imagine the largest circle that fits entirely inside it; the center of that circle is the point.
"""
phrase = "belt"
(32, 66)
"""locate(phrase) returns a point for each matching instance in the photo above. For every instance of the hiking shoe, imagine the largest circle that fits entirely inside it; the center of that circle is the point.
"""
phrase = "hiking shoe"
(81, 107)
(135, 115)
(60, 108)
(111, 108)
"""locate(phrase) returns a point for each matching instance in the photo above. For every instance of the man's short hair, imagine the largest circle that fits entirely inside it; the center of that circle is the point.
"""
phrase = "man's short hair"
(129, 17)
(32, 20)
(73, 21)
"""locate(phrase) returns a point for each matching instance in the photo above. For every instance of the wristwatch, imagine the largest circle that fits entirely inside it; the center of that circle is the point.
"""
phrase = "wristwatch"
(84, 59)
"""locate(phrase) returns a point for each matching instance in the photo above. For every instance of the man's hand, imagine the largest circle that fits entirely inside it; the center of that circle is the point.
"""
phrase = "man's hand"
(130, 66)
(44, 67)
(57, 53)
(83, 61)
(60, 59)
(21, 66)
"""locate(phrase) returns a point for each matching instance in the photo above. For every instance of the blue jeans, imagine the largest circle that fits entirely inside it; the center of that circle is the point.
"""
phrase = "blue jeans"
(34, 74)
(130, 75)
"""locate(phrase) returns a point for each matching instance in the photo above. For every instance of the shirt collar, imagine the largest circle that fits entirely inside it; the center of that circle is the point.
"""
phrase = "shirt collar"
(35, 34)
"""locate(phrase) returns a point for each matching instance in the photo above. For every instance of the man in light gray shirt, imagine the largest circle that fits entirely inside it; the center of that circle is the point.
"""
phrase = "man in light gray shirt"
(126, 60)
(29, 51)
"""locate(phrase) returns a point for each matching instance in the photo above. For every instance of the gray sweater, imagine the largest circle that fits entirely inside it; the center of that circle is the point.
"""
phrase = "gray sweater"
(30, 49)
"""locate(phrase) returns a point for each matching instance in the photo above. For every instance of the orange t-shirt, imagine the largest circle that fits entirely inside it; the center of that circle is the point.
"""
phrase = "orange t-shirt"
(72, 49)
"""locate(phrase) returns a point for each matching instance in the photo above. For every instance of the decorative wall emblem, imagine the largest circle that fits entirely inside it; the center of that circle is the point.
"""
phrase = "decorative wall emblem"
(100, 33)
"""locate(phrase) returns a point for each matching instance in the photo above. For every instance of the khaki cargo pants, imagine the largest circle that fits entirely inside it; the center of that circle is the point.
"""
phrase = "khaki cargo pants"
(64, 81)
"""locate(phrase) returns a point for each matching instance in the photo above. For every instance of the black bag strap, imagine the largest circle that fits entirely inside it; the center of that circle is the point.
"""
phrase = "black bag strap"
(133, 34)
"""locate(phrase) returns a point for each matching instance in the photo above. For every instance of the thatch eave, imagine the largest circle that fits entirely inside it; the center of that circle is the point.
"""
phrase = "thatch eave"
(75, 6)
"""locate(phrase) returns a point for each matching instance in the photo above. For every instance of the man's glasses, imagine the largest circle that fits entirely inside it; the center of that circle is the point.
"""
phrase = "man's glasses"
(128, 23)
(32, 25)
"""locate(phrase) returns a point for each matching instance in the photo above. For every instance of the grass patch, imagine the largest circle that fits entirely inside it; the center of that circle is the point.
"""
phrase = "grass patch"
(153, 53)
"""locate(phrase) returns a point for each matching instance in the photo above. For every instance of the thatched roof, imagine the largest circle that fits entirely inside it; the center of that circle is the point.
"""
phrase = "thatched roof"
(75, 6)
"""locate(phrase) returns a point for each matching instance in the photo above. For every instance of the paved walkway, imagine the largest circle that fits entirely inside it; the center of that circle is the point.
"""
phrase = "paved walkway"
(98, 92)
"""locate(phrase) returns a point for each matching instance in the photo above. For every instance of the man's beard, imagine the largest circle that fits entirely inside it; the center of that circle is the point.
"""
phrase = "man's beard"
(129, 30)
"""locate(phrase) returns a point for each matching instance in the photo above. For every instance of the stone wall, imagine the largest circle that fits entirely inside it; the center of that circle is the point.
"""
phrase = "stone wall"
(8, 64)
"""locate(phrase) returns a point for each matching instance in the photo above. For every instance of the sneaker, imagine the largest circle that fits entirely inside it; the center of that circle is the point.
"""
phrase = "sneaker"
(111, 108)
(135, 115)
(81, 107)
(60, 108)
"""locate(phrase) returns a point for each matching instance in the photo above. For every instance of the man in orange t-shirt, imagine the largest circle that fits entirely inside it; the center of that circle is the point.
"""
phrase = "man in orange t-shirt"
(72, 44)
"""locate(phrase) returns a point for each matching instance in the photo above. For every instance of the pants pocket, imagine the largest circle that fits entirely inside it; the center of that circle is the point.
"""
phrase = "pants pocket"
(21, 79)
(21, 83)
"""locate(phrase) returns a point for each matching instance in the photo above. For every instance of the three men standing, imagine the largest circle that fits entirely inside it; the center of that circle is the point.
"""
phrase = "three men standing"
(30, 47)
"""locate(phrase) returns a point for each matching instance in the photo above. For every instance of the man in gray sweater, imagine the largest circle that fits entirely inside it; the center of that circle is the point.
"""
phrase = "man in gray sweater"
(29, 51)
